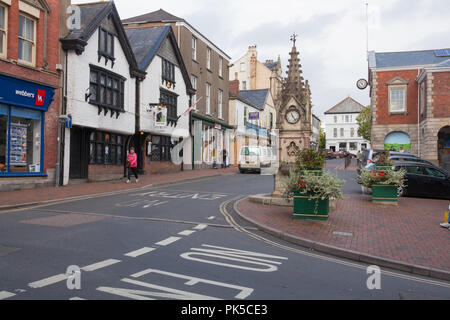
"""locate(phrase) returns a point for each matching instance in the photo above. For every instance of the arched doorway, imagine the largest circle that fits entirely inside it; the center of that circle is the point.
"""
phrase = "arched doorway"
(398, 141)
(444, 147)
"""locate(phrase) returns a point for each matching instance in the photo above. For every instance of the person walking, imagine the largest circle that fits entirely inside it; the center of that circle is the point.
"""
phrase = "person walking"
(358, 158)
(224, 158)
(132, 165)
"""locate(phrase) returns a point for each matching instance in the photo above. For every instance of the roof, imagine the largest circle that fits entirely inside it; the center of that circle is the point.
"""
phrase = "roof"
(271, 65)
(348, 105)
(444, 63)
(145, 43)
(155, 16)
(256, 97)
(406, 58)
(242, 99)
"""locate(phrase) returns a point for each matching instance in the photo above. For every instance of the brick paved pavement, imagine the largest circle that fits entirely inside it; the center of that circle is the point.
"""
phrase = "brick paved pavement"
(12, 198)
(409, 233)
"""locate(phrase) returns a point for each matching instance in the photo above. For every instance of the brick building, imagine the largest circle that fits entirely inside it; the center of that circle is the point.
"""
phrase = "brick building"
(410, 102)
(29, 91)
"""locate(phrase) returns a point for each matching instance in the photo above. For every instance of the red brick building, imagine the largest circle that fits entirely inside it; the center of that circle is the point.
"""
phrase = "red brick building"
(29, 91)
(410, 102)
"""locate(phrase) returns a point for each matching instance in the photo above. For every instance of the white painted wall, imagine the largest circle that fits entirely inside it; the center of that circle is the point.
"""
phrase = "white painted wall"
(330, 125)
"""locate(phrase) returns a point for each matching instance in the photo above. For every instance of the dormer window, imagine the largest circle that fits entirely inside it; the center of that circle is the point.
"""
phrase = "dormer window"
(105, 45)
(168, 73)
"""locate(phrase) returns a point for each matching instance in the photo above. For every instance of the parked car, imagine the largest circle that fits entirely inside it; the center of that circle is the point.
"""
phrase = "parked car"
(424, 180)
(409, 158)
(253, 158)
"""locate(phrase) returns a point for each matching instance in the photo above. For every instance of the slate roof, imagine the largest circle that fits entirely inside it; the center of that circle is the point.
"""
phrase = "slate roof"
(145, 43)
(256, 97)
(242, 99)
(406, 58)
(444, 64)
(155, 16)
(348, 105)
(90, 12)
(271, 65)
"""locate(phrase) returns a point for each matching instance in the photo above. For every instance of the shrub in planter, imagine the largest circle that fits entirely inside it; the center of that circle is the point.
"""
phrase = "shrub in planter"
(311, 193)
(384, 183)
(311, 160)
(382, 161)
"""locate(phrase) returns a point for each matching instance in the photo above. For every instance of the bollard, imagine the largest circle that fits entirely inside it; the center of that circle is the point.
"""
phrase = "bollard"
(446, 223)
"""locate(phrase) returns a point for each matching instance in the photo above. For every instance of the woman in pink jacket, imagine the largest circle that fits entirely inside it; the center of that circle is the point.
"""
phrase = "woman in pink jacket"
(132, 164)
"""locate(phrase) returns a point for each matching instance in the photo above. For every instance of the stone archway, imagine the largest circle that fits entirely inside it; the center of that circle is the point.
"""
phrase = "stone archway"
(444, 147)
(398, 141)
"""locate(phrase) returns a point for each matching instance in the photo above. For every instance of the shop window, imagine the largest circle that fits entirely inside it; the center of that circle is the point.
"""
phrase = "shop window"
(353, 146)
(3, 30)
(161, 148)
(106, 148)
(27, 39)
(106, 89)
(20, 140)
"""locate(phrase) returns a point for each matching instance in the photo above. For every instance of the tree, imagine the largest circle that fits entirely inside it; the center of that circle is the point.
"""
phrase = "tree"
(322, 140)
(363, 121)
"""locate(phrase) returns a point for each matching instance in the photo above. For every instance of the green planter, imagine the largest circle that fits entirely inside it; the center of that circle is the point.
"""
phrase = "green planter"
(384, 194)
(315, 171)
(314, 209)
(382, 168)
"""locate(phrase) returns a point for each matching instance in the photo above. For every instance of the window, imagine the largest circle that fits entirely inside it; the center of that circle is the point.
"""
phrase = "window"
(352, 132)
(335, 119)
(422, 98)
(271, 120)
(353, 146)
(194, 86)
(106, 89)
(168, 72)
(106, 148)
(343, 146)
(3, 31)
(169, 99)
(242, 67)
(433, 172)
(20, 140)
(244, 85)
(161, 148)
(27, 40)
(106, 44)
(397, 99)
(219, 104)
(208, 98)
(347, 119)
(221, 67)
(342, 132)
(335, 132)
(245, 115)
(194, 48)
(414, 170)
(208, 58)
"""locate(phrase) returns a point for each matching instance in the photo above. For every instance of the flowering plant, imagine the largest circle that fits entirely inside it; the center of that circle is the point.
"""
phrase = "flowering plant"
(309, 158)
(325, 186)
(385, 177)
(382, 159)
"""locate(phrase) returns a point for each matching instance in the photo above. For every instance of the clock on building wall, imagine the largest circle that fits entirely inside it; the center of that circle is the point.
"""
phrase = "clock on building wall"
(292, 116)
(362, 84)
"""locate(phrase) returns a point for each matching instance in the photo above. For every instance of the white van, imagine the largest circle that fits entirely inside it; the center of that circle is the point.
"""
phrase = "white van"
(253, 158)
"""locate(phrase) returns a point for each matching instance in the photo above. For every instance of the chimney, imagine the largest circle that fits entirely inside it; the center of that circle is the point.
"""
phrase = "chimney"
(234, 85)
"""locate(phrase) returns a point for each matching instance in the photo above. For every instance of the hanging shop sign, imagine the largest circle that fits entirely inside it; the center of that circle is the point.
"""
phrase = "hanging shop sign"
(161, 116)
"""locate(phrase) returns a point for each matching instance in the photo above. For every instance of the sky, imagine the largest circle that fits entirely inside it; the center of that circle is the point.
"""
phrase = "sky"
(332, 34)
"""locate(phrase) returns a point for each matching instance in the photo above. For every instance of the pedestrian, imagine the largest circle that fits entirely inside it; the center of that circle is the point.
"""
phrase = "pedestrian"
(358, 158)
(224, 158)
(132, 165)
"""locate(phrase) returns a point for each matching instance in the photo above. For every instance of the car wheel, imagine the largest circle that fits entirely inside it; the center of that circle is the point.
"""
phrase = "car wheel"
(401, 191)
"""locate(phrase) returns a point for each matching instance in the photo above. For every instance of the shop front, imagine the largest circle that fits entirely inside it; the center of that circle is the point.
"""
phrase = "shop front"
(23, 106)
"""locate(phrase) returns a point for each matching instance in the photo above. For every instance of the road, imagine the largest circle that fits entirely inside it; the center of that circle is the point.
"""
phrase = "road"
(179, 241)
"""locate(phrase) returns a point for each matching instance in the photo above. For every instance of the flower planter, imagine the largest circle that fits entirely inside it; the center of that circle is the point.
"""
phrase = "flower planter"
(314, 209)
(314, 171)
(387, 194)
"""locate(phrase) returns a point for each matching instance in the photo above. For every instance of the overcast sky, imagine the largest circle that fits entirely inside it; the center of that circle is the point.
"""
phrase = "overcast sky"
(332, 33)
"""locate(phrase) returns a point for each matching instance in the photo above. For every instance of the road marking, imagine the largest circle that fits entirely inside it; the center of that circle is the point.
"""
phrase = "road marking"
(76, 298)
(211, 218)
(168, 241)
(139, 252)
(99, 265)
(48, 281)
(200, 227)
(6, 295)
(186, 232)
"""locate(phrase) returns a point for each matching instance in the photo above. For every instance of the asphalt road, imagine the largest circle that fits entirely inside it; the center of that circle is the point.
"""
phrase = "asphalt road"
(180, 241)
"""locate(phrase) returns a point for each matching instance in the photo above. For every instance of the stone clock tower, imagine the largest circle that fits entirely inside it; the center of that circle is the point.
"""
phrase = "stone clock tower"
(294, 117)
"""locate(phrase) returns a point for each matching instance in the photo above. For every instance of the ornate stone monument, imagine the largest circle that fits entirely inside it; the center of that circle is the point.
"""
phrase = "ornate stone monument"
(293, 119)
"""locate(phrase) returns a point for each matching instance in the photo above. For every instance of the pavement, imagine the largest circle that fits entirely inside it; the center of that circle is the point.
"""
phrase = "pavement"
(406, 237)
(23, 198)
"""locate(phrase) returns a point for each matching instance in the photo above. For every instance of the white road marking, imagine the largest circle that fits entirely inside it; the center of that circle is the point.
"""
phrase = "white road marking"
(76, 298)
(48, 281)
(6, 295)
(186, 232)
(139, 252)
(99, 265)
(211, 218)
(200, 227)
(168, 241)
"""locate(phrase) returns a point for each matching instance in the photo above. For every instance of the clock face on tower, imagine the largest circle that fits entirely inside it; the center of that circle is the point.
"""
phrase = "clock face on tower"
(292, 116)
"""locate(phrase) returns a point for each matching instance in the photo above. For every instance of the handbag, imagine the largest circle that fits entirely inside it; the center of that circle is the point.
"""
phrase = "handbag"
(128, 164)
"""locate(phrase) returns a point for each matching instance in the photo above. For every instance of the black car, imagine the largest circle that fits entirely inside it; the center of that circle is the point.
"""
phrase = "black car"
(424, 180)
